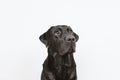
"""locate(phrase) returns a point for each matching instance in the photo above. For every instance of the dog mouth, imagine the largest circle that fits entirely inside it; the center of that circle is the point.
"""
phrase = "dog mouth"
(71, 49)
(68, 48)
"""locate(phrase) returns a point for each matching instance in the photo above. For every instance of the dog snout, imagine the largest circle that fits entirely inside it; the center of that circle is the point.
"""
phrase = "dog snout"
(70, 38)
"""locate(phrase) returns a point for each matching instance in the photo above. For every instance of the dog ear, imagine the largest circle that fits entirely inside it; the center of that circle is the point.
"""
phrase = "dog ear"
(44, 38)
(76, 36)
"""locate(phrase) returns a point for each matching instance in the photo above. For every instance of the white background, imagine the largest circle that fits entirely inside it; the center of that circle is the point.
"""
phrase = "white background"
(97, 22)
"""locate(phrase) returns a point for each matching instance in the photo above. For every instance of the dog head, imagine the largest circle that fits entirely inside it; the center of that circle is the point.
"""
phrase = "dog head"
(60, 38)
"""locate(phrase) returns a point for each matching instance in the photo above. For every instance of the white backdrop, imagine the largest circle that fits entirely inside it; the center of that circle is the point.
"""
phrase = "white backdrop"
(97, 22)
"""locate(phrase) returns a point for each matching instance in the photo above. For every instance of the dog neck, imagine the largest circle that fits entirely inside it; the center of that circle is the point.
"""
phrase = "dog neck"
(64, 60)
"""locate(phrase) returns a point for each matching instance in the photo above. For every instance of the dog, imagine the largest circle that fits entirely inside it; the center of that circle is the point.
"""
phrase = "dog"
(61, 43)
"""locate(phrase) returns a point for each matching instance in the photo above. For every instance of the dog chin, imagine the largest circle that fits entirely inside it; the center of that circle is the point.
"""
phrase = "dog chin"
(71, 50)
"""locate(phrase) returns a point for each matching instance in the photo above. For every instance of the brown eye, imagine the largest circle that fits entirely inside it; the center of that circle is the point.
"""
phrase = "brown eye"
(57, 32)
(69, 30)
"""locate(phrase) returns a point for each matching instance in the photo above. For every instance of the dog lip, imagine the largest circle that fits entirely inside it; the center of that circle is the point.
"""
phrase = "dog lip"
(71, 49)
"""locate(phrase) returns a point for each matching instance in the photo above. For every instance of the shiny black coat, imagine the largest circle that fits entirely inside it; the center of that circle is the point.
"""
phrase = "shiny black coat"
(59, 64)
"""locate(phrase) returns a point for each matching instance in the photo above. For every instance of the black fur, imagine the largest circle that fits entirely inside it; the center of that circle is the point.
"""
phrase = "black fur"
(59, 64)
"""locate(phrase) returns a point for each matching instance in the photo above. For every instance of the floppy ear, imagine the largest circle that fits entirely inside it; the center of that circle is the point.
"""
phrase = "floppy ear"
(76, 36)
(44, 38)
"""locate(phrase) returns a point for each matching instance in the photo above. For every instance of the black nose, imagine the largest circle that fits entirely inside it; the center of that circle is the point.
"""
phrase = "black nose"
(70, 38)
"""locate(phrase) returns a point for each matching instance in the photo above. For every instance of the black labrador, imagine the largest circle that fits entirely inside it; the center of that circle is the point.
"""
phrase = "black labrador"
(59, 64)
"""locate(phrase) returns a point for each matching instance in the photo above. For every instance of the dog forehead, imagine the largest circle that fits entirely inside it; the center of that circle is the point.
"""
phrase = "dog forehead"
(63, 27)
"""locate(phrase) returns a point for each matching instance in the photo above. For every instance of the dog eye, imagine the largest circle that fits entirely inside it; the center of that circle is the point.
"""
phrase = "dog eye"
(57, 32)
(69, 30)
